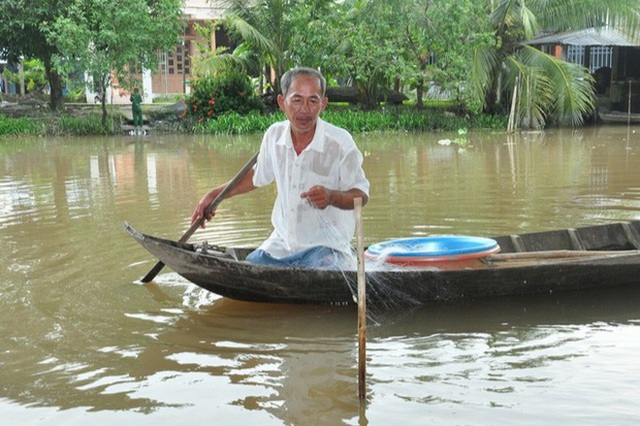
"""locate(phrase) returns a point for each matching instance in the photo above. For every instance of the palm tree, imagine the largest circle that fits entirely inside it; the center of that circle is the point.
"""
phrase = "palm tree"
(266, 30)
(539, 87)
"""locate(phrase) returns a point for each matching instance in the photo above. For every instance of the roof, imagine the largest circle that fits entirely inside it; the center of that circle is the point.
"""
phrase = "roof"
(203, 10)
(604, 36)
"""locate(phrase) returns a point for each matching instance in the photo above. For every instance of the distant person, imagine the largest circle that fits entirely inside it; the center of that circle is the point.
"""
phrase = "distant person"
(136, 110)
(317, 169)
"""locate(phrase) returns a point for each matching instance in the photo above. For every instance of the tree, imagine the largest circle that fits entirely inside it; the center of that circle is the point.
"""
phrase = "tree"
(23, 35)
(261, 29)
(266, 31)
(117, 38)
(376, 44)
(537, 87)
(355, 42)
(438, 47)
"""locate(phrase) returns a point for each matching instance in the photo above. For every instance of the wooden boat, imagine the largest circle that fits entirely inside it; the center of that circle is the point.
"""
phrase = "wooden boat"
(590, 257)
(619, 117)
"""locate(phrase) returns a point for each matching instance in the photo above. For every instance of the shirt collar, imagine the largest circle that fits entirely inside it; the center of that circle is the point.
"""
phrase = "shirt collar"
(317, 143)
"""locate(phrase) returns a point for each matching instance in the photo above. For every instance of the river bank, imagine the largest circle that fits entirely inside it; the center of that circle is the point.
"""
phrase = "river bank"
(29, 118)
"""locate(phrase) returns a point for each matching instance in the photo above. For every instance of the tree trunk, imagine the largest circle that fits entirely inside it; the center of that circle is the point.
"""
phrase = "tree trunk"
(352, 95)
(103, 101)
(56, 101)
(105, 81)
(420, 83)
(419, 93)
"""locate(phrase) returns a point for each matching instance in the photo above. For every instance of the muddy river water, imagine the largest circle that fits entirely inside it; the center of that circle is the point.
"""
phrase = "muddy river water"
(81, 340)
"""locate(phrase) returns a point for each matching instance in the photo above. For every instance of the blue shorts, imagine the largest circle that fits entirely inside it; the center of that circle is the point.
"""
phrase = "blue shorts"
(319, 257)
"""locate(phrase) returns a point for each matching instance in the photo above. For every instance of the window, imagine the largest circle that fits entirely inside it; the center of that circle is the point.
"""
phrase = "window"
(177, 61)
(600, 56)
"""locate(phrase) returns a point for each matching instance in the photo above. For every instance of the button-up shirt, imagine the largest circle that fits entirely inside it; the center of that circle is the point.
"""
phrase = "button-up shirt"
(331, 160)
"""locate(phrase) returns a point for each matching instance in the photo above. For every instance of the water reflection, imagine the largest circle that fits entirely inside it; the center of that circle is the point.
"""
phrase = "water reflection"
(78, 338)
(298, 363)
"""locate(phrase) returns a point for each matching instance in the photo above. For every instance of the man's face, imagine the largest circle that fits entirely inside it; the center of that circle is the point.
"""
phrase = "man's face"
(303, 104)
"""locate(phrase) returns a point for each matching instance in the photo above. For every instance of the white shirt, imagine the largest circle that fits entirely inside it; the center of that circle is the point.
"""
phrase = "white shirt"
(331, 160)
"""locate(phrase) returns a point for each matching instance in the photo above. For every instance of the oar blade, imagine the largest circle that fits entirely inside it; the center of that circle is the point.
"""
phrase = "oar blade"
(152, 273)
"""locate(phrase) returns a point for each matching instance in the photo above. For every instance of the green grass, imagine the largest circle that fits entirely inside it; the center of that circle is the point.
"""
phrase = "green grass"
(402, 118)
(358, 121)
(19, 126)
(53, 124)
(90, 124)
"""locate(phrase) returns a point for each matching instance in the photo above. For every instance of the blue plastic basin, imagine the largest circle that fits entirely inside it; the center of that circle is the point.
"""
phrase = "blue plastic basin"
(433, 249)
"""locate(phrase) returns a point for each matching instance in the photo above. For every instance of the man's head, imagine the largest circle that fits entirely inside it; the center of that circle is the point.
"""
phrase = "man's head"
(302, 99)
(289, 76)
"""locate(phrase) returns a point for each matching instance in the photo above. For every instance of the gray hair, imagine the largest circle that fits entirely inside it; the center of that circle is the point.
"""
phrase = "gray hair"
(289, 76)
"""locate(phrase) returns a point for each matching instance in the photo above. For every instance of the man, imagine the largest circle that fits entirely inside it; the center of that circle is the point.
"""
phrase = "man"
(318, 173)
(136, 110)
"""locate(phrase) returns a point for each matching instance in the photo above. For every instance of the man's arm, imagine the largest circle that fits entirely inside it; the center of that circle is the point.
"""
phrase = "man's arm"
(245, 185)
(322, 197)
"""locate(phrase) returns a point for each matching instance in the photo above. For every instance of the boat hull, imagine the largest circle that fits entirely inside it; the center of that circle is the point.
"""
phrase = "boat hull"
(566, 260)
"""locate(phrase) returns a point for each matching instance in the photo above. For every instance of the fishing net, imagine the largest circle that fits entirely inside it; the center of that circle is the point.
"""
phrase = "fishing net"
(383, 299)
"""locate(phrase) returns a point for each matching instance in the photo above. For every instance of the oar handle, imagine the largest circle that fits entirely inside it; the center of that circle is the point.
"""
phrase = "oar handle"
(216, 201)
(211, 207)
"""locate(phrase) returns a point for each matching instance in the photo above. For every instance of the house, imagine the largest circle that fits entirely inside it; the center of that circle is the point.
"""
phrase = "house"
(613, 58)
(174, 70)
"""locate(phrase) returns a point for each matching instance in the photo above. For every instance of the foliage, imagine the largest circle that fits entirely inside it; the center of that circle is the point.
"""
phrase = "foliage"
(88, 125)
(407, 120)
(259, 27)
(18, 126)
(210, 59)
(54, 124)
(375, 45)
(416, 43)
(76, 95)
(395, 119)
(402, 119)
(233, 123)
(34, 75)
(214, 96)
(357, 43)
(441, 48)
(120, 36)
(537, 87)
(267, 32)
(23, 33)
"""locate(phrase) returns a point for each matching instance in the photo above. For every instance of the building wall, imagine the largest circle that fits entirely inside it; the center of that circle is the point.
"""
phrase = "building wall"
(174, 71)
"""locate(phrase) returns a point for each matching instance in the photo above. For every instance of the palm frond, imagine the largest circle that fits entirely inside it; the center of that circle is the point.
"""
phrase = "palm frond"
(485, 67)
(572, 86)
(534, 92)
(218, 62)
(562, 15)
(510, 13)
(242, 30)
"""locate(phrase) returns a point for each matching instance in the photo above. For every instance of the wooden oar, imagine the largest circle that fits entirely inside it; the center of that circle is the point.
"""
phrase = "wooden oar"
(214, 204)
(556, 254)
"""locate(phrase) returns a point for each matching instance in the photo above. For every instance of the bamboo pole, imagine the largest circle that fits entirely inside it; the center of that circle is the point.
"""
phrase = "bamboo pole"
(558, 254)
(511, 126)
(362, 305)
(629, 106)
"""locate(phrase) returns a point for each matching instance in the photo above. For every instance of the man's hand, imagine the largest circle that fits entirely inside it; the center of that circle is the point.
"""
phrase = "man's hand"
(319, 196)
(202, 207)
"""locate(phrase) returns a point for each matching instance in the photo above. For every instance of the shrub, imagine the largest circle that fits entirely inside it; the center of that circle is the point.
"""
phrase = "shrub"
(213, 96)
(234, 123)
(87, 125)
(18, 126)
